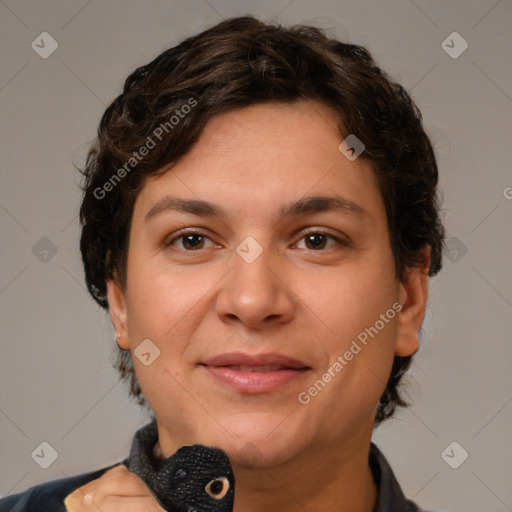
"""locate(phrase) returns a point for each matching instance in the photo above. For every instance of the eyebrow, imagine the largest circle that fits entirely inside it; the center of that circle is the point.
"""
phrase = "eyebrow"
(311, 204)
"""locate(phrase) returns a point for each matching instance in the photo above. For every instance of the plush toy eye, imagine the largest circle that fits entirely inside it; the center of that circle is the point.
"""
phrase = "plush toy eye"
(217, 488)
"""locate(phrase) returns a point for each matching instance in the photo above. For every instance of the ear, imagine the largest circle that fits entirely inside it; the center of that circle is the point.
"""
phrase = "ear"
(413, 295)
(118, 313)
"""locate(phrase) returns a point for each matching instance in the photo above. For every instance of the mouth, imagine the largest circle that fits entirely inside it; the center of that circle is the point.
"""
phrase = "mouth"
(257, 368)
(257, 374)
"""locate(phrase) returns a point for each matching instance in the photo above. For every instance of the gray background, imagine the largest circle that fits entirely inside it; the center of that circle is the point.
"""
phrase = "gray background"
(56, 381)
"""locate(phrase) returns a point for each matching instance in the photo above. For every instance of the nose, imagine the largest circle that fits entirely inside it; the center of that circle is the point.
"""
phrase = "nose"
(256, 294)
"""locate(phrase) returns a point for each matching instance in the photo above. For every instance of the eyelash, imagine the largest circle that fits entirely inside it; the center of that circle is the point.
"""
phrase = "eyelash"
(183, 234)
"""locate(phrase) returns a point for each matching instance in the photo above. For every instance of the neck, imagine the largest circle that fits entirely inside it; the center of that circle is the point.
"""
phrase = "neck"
(324, 482)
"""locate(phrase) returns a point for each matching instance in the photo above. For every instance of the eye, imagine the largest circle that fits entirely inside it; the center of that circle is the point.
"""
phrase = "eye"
(191, 241)
(317, 240)
(217, 488)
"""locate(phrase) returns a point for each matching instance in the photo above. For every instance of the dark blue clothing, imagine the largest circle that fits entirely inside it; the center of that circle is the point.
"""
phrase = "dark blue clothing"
(49, 496)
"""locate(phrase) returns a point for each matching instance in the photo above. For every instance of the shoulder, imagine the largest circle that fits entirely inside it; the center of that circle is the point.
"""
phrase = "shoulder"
(48, 496)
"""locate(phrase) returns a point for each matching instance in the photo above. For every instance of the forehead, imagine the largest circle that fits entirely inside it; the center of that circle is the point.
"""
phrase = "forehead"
(270, 153)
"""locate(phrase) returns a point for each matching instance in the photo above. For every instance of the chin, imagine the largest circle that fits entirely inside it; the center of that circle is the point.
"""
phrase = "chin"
(263, 440)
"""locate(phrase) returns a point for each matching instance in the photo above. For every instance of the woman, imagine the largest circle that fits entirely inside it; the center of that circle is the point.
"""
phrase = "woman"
(260, 218)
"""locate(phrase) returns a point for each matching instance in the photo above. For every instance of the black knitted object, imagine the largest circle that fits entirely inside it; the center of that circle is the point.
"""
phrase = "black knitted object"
(196, 478)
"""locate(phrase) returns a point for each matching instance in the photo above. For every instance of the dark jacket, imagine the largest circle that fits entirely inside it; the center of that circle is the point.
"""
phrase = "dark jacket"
(49, 496)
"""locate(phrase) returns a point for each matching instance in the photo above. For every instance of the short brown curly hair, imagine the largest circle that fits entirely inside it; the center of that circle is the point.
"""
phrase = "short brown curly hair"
(239, 62)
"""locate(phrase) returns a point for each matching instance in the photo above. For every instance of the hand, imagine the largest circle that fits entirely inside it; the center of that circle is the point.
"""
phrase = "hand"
(117, 489)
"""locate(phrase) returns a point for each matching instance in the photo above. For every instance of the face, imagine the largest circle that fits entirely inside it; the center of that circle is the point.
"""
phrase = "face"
(276, 316)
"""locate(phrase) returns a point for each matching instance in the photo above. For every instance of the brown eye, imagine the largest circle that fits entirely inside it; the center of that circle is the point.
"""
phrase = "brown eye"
(217, 488)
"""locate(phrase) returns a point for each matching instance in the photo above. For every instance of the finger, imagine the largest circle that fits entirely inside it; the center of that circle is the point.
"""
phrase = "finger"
(117, 482)
(116, 504)
(131, 504)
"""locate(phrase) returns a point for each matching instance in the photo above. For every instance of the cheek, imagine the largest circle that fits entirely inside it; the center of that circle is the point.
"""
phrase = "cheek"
(160, 384)
(343, 304)
(165, 304)
(360, 361)
(355, 320)
(161, 295)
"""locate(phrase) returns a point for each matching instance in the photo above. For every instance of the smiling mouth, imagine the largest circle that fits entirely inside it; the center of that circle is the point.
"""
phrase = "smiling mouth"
(254, 375)
(257, 368)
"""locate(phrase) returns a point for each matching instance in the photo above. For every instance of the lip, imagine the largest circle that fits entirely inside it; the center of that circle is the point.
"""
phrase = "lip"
(253, 374)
